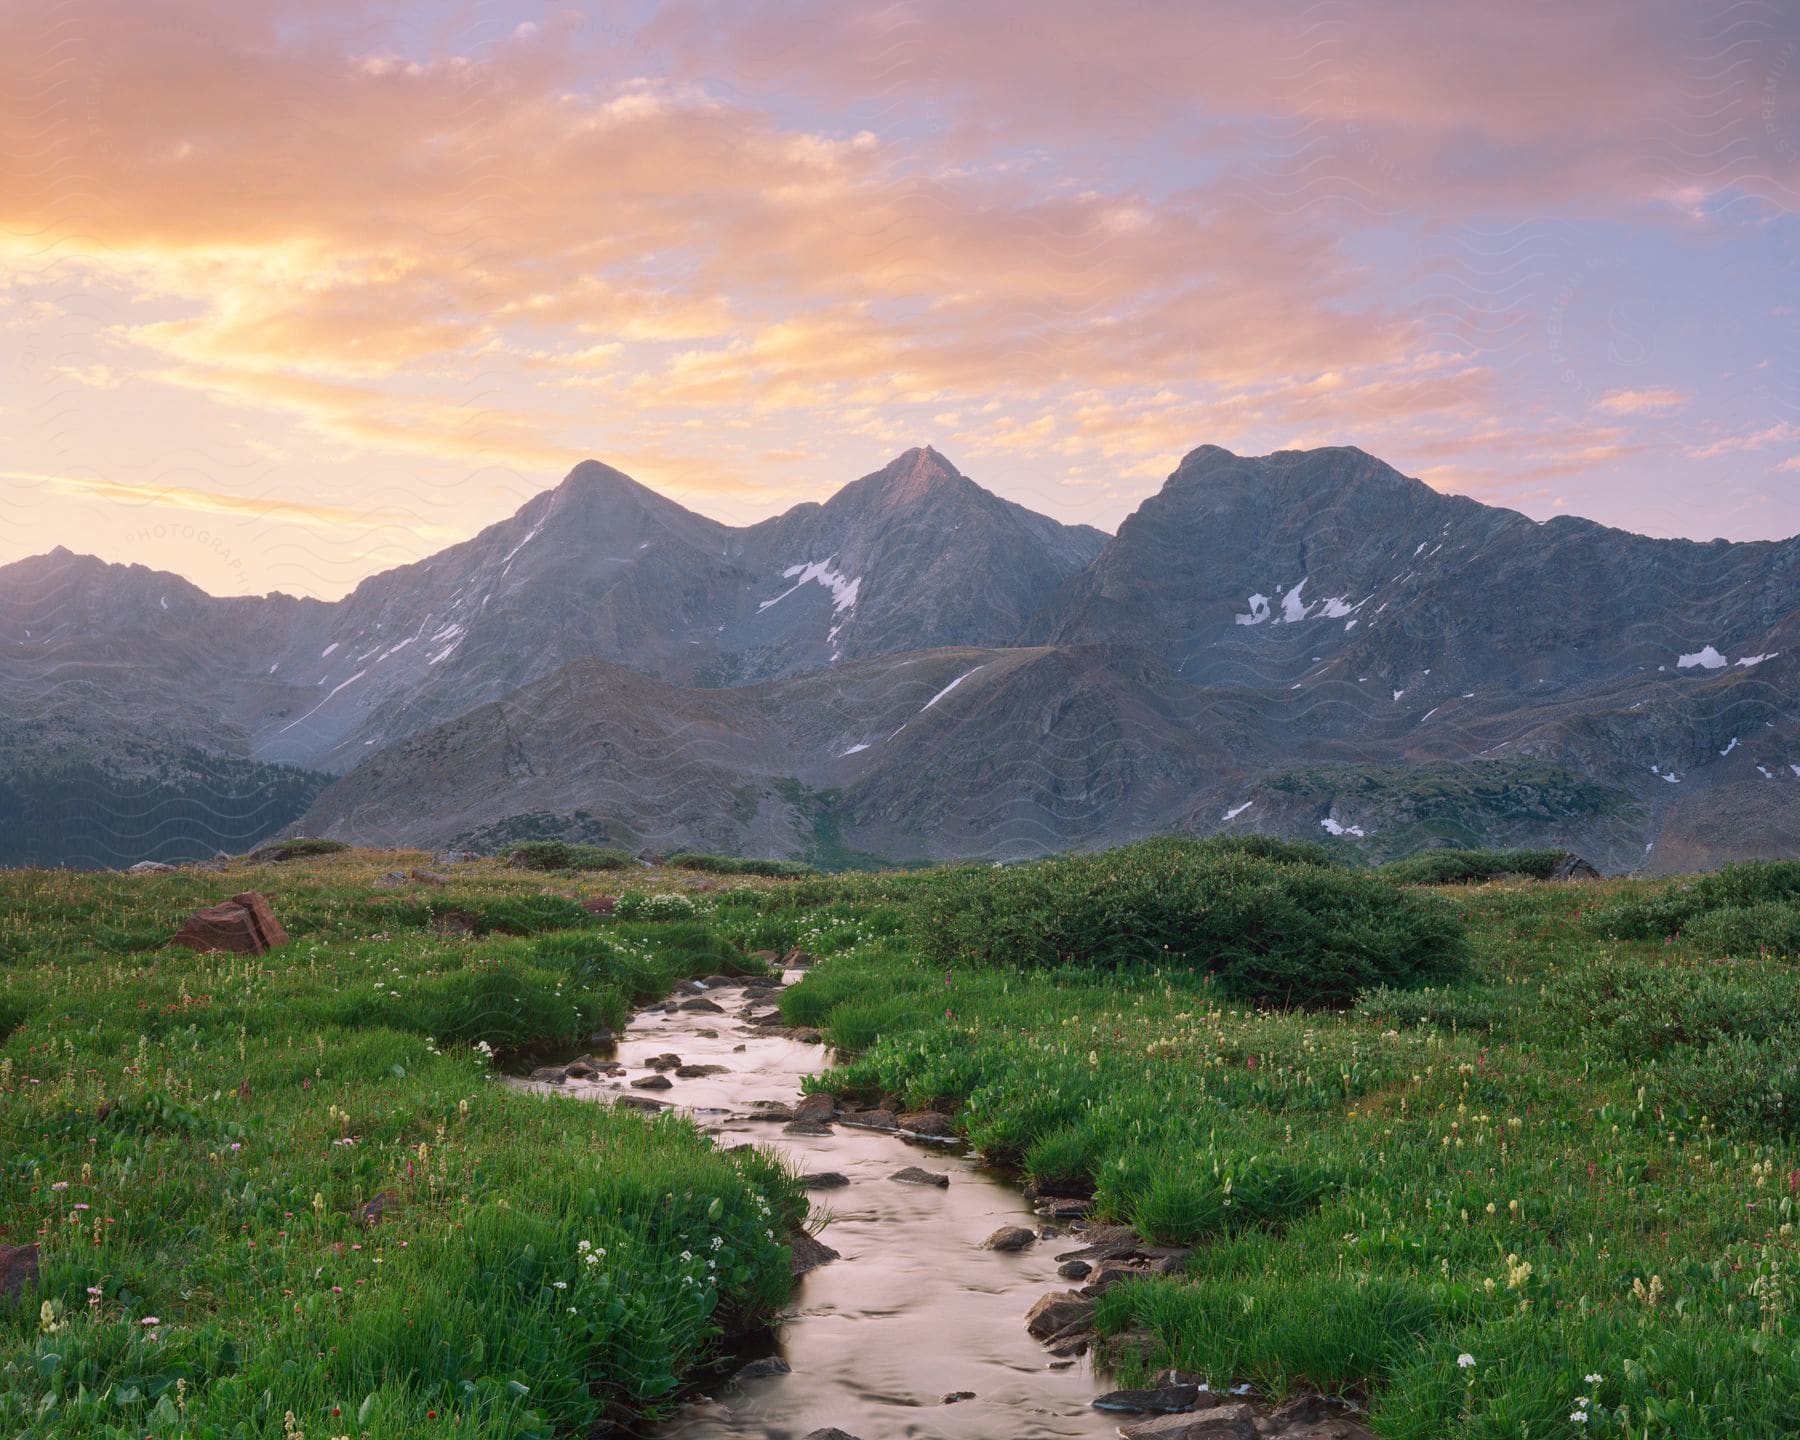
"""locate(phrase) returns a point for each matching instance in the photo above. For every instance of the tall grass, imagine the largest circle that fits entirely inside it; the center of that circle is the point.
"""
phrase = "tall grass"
(192, 1139)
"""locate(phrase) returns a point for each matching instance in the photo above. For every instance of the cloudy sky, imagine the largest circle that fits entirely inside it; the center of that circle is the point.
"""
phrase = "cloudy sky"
(293, 292)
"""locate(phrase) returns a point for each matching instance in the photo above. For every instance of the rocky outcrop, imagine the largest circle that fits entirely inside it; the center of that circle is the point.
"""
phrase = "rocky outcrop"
(243, 925)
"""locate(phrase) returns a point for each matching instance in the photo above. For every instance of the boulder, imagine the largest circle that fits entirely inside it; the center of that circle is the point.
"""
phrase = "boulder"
(454, 857)
(806, 1035)
(956, 1397)
(759, 1369)
(548, 1075)
(830, 1432)
(601, 1040)
(244, 925)
(653, 1082)
(580, 1069)
(1163, 1400)
(699, 1072)
(871, 1119)
(815, 1107)
(927, 1122)
(669, 1061)
(18, 1269)
(913, 1175)
(150, 867)
(771, 1110)
(824, 1180)
(1074, 1269)
(1573, 867)
(429, 877)
(600, 904)
(700, 1002)
(1109, 1273)
(454, 922)
(391, 880)
(639, 1102)
(1056, 1207)
(1057, 1311)
(1222, 1422)
(1010, 1237)
(808, 1251)
(807, 1127)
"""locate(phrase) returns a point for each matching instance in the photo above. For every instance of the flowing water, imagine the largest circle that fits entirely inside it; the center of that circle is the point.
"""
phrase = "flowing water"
(915, 1309)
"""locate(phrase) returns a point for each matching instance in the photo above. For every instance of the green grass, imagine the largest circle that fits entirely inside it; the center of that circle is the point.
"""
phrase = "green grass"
(1577, 1159)
(1554, 1129)
(188, 1137)
(562, 855)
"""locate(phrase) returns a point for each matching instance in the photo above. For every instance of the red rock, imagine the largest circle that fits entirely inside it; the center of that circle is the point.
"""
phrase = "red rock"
(244, 925)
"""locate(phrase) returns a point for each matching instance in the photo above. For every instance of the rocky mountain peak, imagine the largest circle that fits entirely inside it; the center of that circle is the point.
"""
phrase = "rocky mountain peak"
(912, 476)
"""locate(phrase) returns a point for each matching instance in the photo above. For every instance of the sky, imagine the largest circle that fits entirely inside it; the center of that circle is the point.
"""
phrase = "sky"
(294, 292)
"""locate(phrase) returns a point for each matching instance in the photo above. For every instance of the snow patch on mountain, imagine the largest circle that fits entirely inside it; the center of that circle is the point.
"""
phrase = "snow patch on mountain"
(1750, 660)
(1705, 658)
(1259, 611)
(1238, 810)
(1332, 827)
(843, 588)
(946, 690)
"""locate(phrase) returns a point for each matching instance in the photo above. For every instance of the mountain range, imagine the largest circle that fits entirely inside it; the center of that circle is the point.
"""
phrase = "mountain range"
(1304, 643)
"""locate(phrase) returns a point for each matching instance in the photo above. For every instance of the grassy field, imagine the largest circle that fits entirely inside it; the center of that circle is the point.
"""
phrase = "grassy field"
(1553, 1196)
(1503, 1160)
(189, 1139)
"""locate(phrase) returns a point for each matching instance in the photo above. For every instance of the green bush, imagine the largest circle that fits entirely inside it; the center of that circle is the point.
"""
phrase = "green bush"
(1268, 847)
(1270, 931)
(1660, 914)
(296, 848)
(667, 905)
(1765, 928)
(1469, 867)
(1639, 1011)
(739, 865)
(561, 855)
(1748, 1083)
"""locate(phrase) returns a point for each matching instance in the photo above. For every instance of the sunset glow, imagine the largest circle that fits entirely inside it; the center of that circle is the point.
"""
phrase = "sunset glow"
(290, 293)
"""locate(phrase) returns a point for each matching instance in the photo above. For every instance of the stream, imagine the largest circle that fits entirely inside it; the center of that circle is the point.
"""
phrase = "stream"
(915, 1309)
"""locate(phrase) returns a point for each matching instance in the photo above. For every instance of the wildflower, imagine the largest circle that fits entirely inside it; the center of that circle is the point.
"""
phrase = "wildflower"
(1465, 1361)
(1593, 1379)
(150, 1320)
(1578, 1417)
(60, 1185)
(560, 1284)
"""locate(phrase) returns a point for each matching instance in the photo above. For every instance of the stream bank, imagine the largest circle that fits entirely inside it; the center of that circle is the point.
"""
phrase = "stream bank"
(947, 1308)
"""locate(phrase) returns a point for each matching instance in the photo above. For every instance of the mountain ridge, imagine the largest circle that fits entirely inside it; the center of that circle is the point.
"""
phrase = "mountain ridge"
(1320, 615)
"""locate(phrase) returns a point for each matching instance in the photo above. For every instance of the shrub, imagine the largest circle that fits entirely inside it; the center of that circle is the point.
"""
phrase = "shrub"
(561, 855)
(739, 865)
(1748, 1083)
(1766, 928)
(1639, 1011)
(636, 905)
(1468, 867)
(1268, 930)
(1268, 847)
(296, 848)
(1661, 913)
